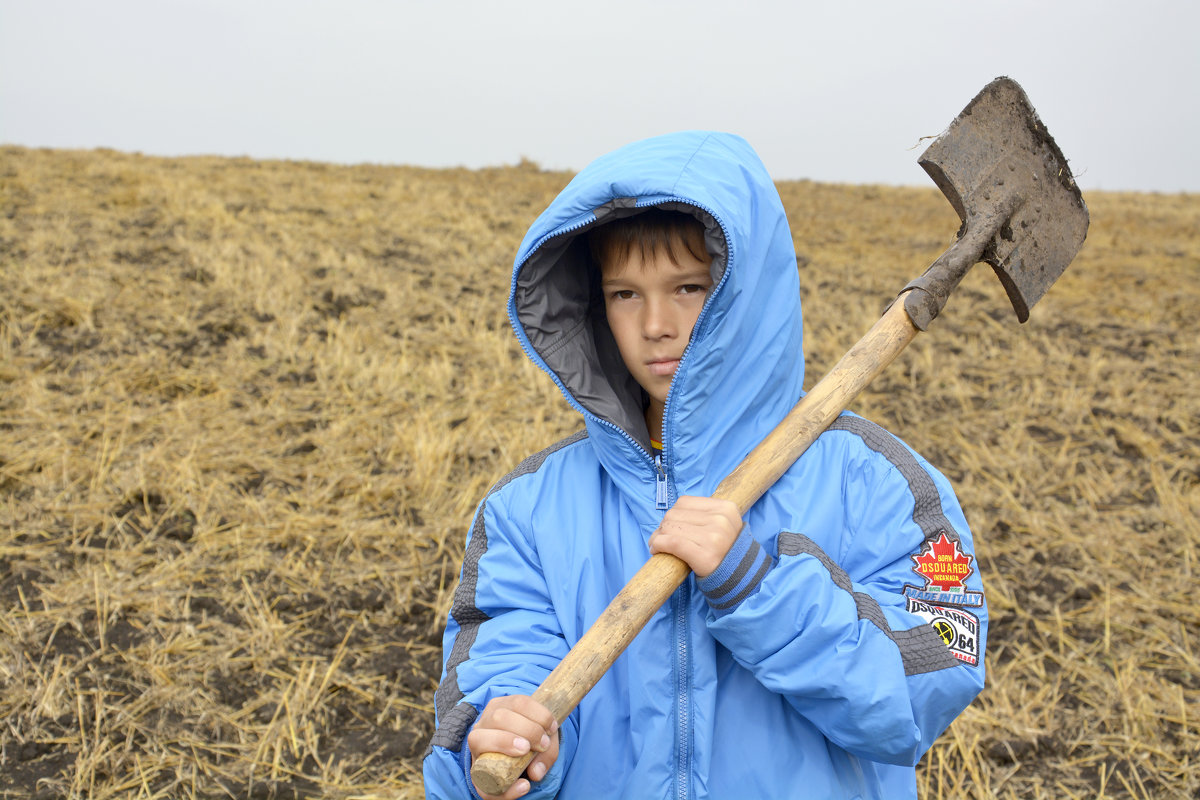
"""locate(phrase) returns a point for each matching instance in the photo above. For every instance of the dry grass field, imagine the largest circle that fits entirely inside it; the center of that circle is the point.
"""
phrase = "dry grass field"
(247, 408)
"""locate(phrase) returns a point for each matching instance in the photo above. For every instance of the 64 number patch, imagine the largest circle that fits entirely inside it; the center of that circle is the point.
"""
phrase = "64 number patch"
(959, 629)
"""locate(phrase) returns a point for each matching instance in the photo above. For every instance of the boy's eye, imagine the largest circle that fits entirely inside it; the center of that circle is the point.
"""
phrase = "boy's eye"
(691, 288)
(623, 294)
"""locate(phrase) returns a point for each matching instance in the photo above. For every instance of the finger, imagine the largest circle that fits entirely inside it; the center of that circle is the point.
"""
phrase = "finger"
(537, 770)
(522, 715)
(708, 504)
(675, 539)
(681, 547)
(699, 519)
(532, 734)
(522, 706)
(497, 740)
(520, 788)
(542, 763)
(702, 555)
(686, 516)
(714, 506)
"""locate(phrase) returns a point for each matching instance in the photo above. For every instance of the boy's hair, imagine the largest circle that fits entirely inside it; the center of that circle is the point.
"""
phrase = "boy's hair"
(652, 231)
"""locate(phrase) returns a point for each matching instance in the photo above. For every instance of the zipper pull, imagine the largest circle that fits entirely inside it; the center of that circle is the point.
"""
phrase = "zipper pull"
(660, 487)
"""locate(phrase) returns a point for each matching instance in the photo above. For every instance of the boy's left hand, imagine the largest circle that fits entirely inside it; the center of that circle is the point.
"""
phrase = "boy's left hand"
(699, 531)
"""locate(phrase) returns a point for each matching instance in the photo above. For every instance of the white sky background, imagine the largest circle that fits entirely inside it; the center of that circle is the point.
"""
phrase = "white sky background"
(832, 91)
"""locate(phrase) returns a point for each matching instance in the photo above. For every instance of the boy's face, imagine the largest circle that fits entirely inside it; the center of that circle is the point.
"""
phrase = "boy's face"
(652, 305)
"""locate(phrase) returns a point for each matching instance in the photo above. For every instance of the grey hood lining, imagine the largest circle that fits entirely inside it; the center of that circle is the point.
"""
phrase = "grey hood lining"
(561, 309)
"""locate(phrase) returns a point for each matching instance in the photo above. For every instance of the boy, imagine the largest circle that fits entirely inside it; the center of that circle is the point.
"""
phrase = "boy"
(660, 292)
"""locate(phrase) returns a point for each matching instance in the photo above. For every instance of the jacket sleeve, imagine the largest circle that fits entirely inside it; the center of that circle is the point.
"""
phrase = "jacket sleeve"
(502, 638)
(881, 644)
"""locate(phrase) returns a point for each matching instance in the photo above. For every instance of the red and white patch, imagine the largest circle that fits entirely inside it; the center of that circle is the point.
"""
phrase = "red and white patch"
(945, 569)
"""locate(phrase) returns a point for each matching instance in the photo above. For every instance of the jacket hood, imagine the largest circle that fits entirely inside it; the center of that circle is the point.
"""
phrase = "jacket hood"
(743, 369)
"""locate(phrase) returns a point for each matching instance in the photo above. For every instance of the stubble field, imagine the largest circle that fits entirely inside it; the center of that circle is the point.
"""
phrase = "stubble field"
(247, 408)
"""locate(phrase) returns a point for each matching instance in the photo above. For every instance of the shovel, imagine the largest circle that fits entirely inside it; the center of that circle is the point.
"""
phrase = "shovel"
(1021, 212)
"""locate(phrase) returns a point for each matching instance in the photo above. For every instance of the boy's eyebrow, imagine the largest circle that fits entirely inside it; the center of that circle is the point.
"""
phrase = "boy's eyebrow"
(697, 275)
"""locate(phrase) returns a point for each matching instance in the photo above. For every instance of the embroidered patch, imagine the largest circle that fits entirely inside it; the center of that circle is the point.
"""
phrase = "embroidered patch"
(945, 569)
(959, 629)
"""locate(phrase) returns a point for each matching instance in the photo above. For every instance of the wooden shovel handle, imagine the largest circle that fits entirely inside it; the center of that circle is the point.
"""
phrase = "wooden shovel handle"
(654, 583)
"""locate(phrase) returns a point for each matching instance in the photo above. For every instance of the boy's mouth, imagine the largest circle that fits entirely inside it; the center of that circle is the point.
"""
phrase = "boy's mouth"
(663, 367)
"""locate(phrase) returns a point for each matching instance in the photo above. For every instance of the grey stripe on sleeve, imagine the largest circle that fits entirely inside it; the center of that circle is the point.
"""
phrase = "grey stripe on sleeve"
(455, 717)
(743, 567)
(921, 649)
(927, 502)
(751, 586)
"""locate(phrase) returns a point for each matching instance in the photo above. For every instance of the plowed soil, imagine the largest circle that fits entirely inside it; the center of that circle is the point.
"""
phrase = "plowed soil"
(247, 408)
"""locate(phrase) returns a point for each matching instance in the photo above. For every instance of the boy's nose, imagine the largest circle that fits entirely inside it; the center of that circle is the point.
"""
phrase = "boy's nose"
(657, 322)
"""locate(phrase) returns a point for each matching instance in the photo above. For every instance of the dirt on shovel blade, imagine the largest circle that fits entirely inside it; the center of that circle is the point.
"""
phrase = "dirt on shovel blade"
(247, 409)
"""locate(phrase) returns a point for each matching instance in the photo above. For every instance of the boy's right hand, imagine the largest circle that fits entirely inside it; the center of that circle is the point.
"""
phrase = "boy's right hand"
(512, 725)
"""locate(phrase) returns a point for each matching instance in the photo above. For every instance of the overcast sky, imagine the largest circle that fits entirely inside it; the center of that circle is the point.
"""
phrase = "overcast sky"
(832, 91)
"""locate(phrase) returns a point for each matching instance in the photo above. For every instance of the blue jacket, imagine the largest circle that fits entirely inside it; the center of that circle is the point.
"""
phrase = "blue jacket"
(846, 628)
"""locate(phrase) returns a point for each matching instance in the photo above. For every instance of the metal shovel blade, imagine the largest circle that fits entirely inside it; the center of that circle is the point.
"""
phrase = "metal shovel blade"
(995, 155)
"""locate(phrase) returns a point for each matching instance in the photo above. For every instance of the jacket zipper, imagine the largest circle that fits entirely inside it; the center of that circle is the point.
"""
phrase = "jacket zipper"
(681, 603)
(662, 501)
(683, 730)
(661, 491)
